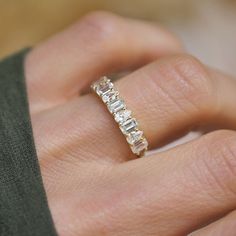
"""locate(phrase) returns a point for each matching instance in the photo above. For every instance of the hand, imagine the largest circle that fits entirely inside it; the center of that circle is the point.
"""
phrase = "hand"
(94, 185)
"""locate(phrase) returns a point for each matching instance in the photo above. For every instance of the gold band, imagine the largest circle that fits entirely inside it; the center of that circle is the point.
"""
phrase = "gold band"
(105, 89)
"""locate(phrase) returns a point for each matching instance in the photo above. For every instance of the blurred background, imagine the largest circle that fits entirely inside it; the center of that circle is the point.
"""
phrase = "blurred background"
(207, 27)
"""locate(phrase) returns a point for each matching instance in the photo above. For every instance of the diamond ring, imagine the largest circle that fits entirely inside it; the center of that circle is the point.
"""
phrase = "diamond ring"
(128, 125)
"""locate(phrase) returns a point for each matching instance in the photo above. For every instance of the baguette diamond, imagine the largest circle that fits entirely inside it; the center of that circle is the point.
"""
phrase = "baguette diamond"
(139, 146)
(128, 125)
(116, 105)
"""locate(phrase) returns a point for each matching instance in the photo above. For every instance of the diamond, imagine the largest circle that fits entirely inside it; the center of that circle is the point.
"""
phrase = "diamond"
(94, 86)
(116, 105)
(106, 90)
(134, 137)
(122, 116)
(139, 146)
(129, 126)
(97, 84)
(103, 80)
(109, 96)
(104, 87)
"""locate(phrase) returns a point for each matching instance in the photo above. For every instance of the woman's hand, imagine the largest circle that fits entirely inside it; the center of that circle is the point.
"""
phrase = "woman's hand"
(95, 186)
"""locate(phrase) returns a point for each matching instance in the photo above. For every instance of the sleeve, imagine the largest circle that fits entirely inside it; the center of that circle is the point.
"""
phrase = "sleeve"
(23, 205)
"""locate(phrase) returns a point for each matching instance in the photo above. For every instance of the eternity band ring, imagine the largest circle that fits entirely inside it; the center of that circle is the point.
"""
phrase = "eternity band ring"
(128, 125)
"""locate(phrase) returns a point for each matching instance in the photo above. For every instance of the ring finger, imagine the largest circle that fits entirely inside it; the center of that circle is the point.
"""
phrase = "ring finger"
(167, 97)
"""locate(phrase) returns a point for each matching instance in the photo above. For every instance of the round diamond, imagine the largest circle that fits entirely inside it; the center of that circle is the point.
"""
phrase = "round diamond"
(122, 116)
(134, 136)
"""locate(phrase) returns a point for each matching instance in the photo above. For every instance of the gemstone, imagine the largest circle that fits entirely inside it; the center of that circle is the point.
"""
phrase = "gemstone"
(134, 136)
(109, 96)
(139, 146)
(122, 116)
(116, 105)
(103, 80)
(129, 126)
(94, 86)
(103, 88)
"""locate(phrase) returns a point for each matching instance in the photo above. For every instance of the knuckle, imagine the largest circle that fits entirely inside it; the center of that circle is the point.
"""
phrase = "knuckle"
(223, 139)
(219, 158)
(226, 141)
(100, 26)
(189, 82)
(172, 42)
(194, 76)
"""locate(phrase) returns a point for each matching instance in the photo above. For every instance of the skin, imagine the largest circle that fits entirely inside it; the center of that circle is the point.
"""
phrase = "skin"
(94, 185)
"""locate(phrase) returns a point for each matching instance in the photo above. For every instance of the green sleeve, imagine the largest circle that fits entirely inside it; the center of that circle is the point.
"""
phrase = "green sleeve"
(23, 205)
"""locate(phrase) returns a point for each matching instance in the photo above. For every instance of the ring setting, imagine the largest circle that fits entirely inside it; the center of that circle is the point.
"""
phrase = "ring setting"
(128, 125)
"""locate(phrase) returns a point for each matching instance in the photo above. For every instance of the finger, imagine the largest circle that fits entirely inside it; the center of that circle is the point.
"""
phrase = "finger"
(172, 193)
(167, 97)
(99, 44)
(176, 192)
(177, 93)
(226, 226)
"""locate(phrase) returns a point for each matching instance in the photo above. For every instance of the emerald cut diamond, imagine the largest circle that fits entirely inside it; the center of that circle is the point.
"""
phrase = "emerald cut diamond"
(139, 146)
(116, 105)
(104, 87)
(129, 126)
